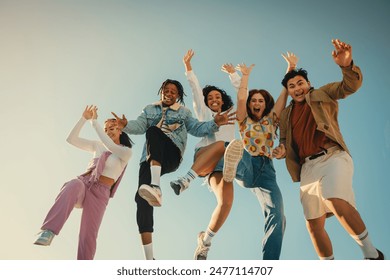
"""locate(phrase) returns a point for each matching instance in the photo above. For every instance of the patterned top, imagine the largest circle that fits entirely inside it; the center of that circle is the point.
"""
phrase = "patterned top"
(259, 136)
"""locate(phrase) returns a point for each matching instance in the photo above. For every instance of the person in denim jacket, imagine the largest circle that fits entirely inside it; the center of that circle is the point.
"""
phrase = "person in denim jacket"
(317, 156)
(166, 124)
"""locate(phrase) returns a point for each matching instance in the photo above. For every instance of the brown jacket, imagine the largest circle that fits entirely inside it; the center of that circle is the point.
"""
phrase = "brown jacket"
(324, 106)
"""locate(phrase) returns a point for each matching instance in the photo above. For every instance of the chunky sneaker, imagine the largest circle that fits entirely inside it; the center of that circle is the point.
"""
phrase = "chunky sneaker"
(152, 194)
(45, 237)
(202, 249)
(232, 157)
(380, 257)
(180, 185)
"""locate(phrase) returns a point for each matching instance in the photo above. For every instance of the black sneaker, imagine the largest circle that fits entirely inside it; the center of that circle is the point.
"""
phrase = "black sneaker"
(379, 258)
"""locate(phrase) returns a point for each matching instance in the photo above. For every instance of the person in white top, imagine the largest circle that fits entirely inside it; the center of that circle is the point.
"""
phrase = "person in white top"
(92, 189)
(208, 158)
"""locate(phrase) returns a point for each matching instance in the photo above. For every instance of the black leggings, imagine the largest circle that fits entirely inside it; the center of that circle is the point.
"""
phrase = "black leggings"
(161, 149)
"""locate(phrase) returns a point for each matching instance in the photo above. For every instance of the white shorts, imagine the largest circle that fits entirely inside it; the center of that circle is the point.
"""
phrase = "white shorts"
(328, 176)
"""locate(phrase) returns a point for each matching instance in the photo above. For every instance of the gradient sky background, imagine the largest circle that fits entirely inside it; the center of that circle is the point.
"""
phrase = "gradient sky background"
(58, 56)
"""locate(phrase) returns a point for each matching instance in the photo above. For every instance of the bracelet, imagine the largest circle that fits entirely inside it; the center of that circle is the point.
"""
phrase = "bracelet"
(242, 88)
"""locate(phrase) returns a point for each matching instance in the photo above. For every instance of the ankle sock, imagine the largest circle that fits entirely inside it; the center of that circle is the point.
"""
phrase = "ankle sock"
(155, 172)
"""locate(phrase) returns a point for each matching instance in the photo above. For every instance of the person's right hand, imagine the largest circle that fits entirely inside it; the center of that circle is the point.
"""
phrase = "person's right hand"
(292, 61)
(88, 112)
(122, 122)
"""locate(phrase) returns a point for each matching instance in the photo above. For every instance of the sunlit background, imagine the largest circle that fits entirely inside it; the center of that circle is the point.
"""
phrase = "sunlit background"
(58, 56)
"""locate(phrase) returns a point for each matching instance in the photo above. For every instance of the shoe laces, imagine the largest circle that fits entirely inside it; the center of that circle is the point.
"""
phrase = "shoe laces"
(203, 250)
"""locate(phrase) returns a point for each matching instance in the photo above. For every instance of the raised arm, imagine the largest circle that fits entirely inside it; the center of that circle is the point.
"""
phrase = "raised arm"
(242, 94)
(201, 111)
(74, 138)
(342, 53)
(123, 152)
(138, 126)
(235, 79)
(280, 104)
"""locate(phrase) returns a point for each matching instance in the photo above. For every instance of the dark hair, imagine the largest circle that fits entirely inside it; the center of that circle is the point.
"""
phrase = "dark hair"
(269, 102)
(125, 140)
(227, 100)
(178, 86)
(293, 74)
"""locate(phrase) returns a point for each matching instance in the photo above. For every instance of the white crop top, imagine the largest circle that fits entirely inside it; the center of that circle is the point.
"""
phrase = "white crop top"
(115, 163)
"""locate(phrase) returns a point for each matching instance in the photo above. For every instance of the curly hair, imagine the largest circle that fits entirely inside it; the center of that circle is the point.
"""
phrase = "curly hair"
(227, 100)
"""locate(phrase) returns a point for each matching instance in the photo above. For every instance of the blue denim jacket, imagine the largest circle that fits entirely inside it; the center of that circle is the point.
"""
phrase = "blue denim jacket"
(178, 118)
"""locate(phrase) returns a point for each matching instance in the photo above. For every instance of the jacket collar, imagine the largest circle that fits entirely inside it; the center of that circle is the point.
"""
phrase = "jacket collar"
(174, 106)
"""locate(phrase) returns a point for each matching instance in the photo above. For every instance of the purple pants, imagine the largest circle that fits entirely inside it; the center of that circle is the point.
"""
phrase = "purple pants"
(79, 193)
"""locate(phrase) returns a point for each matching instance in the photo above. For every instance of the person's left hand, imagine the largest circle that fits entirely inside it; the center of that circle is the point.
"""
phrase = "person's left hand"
(342, 53)
(225, 117)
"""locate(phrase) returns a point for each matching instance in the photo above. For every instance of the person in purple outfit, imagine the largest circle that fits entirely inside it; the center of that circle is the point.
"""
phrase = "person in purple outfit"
(92, 190)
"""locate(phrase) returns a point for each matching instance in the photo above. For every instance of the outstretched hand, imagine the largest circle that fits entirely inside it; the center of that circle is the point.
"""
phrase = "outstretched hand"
(291, 59)
(245, 70)
(90, 112)
(342, 53)
(122, 122)
(228, 68)
(226, 117)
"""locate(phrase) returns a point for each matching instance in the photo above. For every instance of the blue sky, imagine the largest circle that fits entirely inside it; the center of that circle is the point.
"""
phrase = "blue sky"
(58, 56)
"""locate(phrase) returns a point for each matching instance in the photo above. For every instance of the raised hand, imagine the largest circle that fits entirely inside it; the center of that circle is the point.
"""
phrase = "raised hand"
(226, 117)
(228, 68)
(342, 53)
(245, 70)
(122, 122)
(187, 59)
(89, 112)
(291, 59)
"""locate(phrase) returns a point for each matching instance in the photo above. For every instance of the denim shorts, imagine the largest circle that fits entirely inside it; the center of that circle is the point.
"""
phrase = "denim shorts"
(218, 167)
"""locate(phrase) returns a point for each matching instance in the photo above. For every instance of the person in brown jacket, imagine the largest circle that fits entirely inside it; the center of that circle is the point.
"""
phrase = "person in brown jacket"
(317, 156)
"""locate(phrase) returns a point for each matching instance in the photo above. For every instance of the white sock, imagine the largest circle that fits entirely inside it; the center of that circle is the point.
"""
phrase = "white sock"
(148, 251)
(331, 257)
(209, 234)
(190, 176)
(369, 251)
(155, 172)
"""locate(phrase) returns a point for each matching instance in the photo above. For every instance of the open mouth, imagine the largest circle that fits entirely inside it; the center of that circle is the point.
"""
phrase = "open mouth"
(255, 110)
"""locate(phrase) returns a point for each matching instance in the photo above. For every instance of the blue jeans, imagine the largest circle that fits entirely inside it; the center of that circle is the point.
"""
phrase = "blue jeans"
(258, 174)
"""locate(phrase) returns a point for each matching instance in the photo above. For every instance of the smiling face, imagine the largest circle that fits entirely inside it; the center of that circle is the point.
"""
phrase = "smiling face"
(215, 101)
(169, 94)
(257, 106)
(112, 130)
(297, 88)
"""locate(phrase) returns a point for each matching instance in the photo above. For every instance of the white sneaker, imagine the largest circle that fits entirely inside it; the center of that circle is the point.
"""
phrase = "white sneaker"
(202, 249)
(180, 185)
(152, 194)
(232, 157)
(45, 237)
